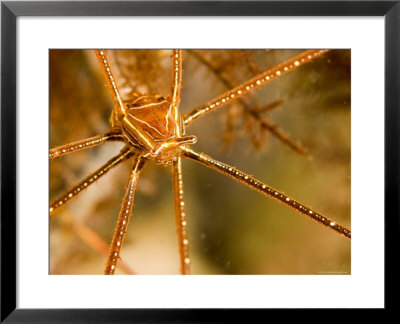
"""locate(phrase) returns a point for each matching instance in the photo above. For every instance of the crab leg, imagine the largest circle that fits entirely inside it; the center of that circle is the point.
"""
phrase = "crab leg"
(112, 135)
(265, 190)
(73, 192)
(119, 106)
(180, 216)
(252, 84)
(176, 86)
(264, 122)
(94, 240)
(124, 215)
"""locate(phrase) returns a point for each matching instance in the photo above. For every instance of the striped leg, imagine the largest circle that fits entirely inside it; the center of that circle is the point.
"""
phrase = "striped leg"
(112, 135)
(94, 240)
(119, 106)
(252, 84)
(180, 216)
(265, 190)
(264, 122)
(176, 85)
(73, 192)
(124, 215)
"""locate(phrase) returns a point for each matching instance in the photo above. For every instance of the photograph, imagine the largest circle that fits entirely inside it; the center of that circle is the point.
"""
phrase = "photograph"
(200, 161)
(213, 158)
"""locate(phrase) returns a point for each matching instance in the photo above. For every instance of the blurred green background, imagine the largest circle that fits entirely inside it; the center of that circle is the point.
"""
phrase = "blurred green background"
(232, 229)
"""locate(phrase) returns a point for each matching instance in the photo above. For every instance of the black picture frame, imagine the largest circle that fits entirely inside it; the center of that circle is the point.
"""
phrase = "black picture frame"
(11, 10)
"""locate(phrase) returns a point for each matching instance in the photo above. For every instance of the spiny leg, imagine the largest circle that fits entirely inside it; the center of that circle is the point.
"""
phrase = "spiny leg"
(122, 156)
(124, 215)
(112, 135)
(176, 86)
(252, 84)
(265, 190)
(119, 106)
(92, 239)
(256, 114)
(180, 216)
